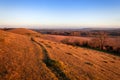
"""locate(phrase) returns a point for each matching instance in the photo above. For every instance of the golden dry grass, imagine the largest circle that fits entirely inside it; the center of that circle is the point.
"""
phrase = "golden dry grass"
(113, 42)
(34, 58)
(24, 31)
(19, 59)
(58, 38)
(84, 64)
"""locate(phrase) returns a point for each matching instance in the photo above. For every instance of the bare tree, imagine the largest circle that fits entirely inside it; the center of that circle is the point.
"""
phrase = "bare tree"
(117, 49)
(101, 38)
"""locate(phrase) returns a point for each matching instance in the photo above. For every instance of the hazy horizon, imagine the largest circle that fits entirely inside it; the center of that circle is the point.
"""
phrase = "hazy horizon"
(60, 13)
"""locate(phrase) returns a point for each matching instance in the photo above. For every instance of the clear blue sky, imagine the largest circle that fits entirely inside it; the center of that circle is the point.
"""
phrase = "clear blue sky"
(60, 13)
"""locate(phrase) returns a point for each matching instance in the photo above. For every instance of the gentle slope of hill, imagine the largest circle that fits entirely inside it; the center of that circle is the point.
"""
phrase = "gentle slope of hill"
(24, 31)
(19, 59)
(82, 63)
(33, 58)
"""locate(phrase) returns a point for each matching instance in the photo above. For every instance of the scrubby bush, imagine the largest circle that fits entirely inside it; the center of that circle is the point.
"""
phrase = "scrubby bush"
(98, 43)
(94, 43)
(85, 44)
(117, 50)
(76, 43)
(66, 41)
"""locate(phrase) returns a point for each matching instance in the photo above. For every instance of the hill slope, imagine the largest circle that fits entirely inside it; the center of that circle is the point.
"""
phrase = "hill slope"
(24, 31)
(83, 64)
(34, 58)
(19, 59)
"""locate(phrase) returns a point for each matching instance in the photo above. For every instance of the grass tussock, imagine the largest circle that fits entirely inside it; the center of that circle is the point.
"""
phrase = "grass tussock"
(54, 64)
(48, 46)
(69, 53)
(88, 63)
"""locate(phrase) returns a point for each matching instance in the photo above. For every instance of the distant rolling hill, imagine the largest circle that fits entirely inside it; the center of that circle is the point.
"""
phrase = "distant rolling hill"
(25, 56)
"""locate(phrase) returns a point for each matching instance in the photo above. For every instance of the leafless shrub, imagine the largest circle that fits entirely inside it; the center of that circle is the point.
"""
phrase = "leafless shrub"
(65, 41)
(99, 40)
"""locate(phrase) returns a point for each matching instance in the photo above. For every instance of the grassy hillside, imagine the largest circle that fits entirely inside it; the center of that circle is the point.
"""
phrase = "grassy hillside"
(20, 59)
(24, 31)
(24, 57)
(82, 63)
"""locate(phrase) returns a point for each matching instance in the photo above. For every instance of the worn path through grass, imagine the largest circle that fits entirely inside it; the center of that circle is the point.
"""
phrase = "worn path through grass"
(53, 65)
